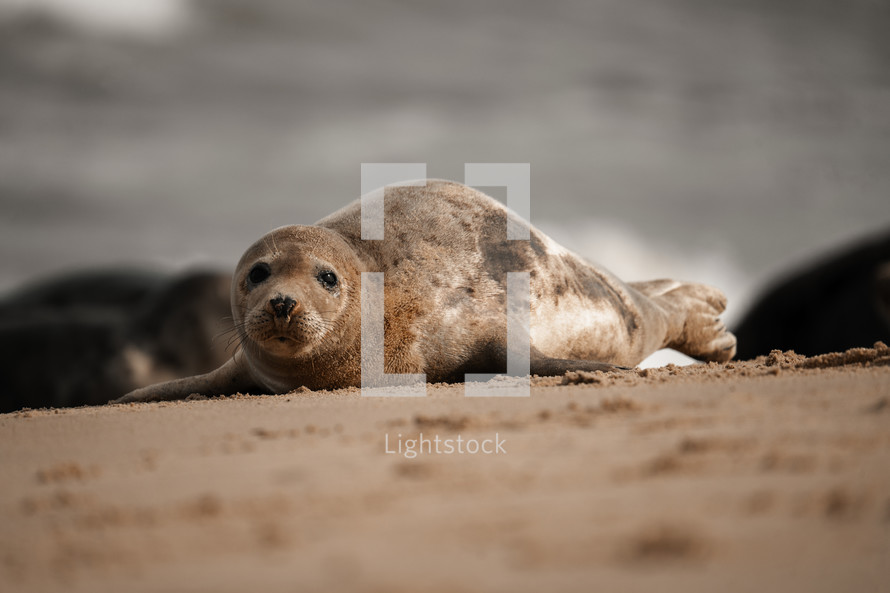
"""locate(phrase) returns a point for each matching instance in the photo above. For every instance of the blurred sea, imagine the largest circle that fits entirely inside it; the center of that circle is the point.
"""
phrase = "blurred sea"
(713, 141)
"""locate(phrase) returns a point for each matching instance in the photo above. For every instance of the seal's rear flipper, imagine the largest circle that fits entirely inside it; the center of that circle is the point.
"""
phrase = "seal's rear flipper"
(232, 377)
(694, 318)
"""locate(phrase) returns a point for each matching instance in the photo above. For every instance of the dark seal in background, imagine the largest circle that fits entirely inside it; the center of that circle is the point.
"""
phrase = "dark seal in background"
(82, 338)
(842, 301)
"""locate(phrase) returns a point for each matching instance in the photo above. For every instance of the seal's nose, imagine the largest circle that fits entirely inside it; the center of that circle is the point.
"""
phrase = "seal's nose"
(282, 306)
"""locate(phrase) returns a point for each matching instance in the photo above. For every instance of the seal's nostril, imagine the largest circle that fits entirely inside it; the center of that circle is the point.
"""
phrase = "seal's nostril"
(282, 306)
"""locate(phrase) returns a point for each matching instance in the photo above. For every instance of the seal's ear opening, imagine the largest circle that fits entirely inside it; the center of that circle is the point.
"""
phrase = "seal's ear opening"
(259, 273)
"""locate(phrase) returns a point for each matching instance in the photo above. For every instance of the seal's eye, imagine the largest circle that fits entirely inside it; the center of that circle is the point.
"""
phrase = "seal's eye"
(259, 273)
(328, 279)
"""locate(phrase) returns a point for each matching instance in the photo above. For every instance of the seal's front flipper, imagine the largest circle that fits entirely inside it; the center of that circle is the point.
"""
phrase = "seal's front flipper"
(549, 367)
(232, 377)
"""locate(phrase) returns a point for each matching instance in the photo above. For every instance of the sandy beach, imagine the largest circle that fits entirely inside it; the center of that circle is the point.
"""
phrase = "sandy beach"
(762, 475)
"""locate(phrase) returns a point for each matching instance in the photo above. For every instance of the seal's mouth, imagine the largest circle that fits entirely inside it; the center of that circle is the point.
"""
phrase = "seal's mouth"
(281, 339)
(284, 345)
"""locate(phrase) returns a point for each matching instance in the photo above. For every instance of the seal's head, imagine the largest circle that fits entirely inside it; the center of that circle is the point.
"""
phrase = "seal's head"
(294, 294)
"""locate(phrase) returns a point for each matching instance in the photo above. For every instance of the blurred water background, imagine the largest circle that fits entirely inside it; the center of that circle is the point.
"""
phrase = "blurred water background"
(712, 141)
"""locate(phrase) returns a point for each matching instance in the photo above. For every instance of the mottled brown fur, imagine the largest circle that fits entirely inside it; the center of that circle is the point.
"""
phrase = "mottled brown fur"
(445, 256)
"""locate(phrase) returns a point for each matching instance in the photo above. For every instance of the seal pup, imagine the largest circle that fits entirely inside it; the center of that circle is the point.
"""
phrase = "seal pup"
(445, 255)
(85, 337)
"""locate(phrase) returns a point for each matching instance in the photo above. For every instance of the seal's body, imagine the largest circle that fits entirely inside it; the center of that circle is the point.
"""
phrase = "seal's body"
(445, 255)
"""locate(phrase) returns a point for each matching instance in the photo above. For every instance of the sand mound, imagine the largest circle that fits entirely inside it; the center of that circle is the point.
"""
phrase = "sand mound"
(774, 363)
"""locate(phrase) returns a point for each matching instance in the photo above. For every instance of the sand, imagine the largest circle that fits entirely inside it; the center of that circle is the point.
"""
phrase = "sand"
(768, 475)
